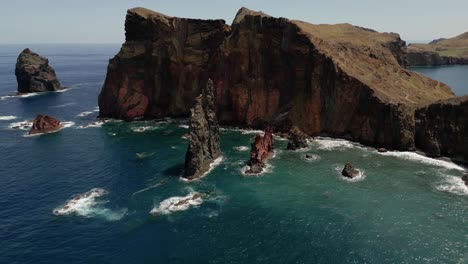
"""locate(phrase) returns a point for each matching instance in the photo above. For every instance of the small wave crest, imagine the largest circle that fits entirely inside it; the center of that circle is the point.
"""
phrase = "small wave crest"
(85, 113)
(87, 205)
(7, 118)
(143, 129)
(178, 203)
(241, 148)
(62, 105)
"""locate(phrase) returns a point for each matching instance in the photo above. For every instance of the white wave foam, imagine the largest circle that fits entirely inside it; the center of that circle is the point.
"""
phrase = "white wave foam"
(20, 95)
(7, 118)
(184, 126)
(86, 205)
(453, 185)
(243, 131)
(62, 105)
(143, 129)
(413, 156)
(96, 109)
(312, 157)
(361, 175)
(213, 165)
(95, 124)
(332, 144)
(241, 148)
(178, 203)
(62, 90)
(23, 125)
(144, 155)
(86, 113)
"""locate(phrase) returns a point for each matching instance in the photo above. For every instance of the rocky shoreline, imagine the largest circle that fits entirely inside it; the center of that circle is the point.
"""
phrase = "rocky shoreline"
(276, 72)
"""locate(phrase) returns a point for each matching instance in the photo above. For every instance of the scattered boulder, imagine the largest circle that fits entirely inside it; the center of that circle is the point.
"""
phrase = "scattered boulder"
(349, 171)
(203, 135)
(382, 150)
(34, 74)
(261, 152)
(45, 124)
(297, 139)
(311, 157)
(465, 179)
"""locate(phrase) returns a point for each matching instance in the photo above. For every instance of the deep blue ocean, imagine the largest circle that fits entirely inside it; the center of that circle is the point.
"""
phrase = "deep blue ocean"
(404, 208)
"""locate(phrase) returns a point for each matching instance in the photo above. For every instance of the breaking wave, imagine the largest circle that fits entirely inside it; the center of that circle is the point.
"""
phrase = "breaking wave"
(62, 105)
(213, 165)
(7, 118)
(413, 156)
(87, 205)
(332, 144)
(453, 184)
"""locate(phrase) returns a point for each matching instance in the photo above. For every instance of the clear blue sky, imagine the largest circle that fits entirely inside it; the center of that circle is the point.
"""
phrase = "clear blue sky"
(102, 21)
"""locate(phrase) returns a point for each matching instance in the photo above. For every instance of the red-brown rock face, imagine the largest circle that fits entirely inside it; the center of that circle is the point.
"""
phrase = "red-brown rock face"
(335, 79)
(161, 67)
(45, 124)
(262, 148)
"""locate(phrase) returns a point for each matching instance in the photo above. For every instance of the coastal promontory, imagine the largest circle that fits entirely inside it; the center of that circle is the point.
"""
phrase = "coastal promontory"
(439, 52)
(34, 74)
(336, 80)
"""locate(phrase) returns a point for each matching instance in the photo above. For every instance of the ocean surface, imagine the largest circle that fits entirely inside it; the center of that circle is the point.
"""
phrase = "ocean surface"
(404, 208)
(455, 76)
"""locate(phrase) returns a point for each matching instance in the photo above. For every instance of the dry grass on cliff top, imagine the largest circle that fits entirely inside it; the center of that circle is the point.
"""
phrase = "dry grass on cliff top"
(360, 53)
(452, 47)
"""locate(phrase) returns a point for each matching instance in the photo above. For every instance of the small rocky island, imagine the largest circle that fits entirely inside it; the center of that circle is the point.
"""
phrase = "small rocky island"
(34, 74)
(45, 124)
(203, 136)
(297, 139)
(261, 152)
(349, 171)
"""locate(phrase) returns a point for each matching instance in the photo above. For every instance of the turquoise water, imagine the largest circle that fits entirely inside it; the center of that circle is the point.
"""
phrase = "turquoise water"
(456, 76)
(404, 209)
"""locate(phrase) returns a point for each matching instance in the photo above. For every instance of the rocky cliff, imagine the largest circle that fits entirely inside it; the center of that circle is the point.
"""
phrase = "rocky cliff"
(34, 74)
(440, 52)
(161, 67)
(441, 128)
(338, 80)
(203, 136)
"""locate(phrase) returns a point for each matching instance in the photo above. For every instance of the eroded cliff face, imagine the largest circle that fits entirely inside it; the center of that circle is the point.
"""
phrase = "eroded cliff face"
(161, 67)
(441, 128)
(429, 58)
(338, 80)
(204, 145)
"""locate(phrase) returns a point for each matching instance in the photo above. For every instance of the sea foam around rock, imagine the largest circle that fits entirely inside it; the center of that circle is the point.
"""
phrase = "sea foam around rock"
(178, 203)
(87, 205)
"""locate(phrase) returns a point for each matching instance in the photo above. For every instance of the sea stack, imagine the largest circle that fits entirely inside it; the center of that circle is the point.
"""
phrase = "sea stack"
(203, 135)
(297, 139)
(45, 124)
(261, 152)
(34, 74)
(349, 171)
